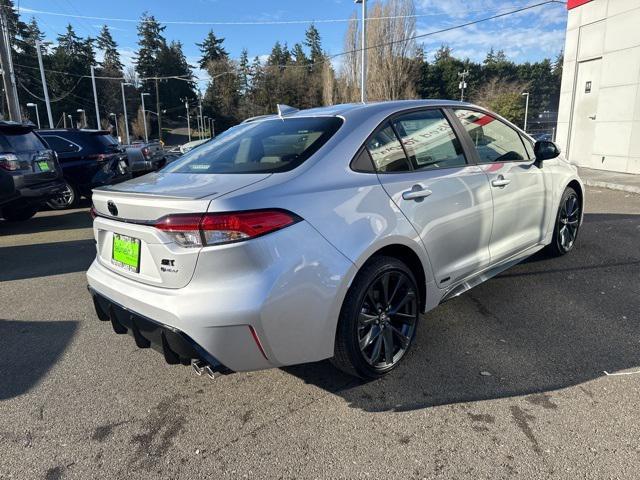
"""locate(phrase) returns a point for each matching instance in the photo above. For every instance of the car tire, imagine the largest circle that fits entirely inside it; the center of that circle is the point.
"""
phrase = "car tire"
(567, 225)
(18, 214)
(69, 198)
(378, 319)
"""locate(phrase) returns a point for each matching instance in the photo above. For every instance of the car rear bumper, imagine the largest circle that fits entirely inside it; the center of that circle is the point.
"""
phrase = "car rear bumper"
(264, 303)
(35, 194)
(176, 346)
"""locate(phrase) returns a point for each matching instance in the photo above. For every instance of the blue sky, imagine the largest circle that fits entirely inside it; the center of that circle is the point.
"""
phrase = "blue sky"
(528, 36)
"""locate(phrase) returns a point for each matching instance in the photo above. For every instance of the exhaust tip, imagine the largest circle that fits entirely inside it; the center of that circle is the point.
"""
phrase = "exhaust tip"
(198, 366)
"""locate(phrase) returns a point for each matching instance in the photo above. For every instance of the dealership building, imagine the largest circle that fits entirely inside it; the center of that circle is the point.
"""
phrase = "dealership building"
(599, 111)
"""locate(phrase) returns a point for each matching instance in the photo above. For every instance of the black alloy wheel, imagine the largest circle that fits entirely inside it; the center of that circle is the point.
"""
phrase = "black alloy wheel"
(378, 320)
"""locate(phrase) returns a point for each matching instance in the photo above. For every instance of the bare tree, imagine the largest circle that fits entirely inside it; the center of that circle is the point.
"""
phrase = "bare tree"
(328, 83)
(137, 126)
(503, 97)
(390, 50)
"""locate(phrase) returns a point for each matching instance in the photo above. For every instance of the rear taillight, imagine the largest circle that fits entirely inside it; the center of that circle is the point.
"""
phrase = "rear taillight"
(8, 161)
(93, 212)
(99, 157)
(196, 230)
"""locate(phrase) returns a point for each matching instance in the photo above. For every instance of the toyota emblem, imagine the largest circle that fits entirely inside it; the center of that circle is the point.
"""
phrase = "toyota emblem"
(113, 210)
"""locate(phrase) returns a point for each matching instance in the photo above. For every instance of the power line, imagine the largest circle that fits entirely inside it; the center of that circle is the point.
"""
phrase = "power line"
(232, 23)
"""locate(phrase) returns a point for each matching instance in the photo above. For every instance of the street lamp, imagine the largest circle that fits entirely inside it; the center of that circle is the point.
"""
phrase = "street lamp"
(35, 105)
(115, 118)
(206, 123)
(363, 62)
(526, 109)
(84, 116)
(124, 107)
(144, 117)
(70, 120)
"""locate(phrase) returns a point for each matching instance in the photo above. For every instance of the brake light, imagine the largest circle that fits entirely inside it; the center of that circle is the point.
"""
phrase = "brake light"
(93, 212)
(98, 156)
(200, 229)
(8, 161)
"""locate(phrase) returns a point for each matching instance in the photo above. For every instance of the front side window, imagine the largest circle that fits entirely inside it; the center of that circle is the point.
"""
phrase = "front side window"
(386, 151)
(267, 146)
(494, 140)
(429, 140)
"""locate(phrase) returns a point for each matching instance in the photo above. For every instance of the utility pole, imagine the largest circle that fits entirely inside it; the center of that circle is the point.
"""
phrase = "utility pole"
(44, 83)
(463, 84)
(95, 97)
(144, 118)
(8, 75)
(158, 110)
(186, 107)
(64, 119)
(201, 119)
(526, 109)
(124, 106)
(363, 61)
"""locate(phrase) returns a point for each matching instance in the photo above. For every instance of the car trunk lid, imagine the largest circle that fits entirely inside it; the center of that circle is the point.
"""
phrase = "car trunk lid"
(127, 213)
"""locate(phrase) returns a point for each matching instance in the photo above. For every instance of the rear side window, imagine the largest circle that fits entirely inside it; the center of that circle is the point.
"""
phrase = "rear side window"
(386, 152)
(20, 141)
(268, 146)
(494, 140)
(61, 145)
(429, 140)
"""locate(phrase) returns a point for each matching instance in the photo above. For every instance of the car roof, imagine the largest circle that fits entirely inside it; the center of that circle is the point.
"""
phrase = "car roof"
(371, 108)
(88, 131)
(16, 126)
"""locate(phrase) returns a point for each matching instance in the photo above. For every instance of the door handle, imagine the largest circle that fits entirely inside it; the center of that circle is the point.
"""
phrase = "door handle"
(592, 117)
(416, 193)
(500, 182)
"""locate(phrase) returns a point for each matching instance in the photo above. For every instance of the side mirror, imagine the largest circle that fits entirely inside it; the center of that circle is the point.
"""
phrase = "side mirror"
(545, 150)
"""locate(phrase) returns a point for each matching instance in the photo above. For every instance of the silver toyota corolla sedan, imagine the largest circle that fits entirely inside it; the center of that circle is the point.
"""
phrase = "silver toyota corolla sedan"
(325, 233)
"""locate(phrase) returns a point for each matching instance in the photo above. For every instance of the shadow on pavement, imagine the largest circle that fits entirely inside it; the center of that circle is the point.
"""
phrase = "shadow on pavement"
(543, 325)
(28, 350)
(44, 259)
(48, 223)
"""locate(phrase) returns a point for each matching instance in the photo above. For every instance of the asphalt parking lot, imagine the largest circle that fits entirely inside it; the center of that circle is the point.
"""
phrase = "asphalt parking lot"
(78, 401)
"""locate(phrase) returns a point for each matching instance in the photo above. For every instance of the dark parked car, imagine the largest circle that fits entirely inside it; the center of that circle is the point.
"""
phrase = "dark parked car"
(89, 159)
(29, 172)
(146, 157)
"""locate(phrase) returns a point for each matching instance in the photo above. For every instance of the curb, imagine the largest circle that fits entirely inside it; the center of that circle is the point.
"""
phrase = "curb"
(611, 185)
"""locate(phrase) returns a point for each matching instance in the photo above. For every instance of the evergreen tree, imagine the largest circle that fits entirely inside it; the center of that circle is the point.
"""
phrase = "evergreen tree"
(313, 42)
(111, 58)
(151, 42)
(211, 49)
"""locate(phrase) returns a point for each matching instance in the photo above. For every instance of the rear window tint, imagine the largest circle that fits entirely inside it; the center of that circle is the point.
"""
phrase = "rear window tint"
(267, 146)
(20, 142)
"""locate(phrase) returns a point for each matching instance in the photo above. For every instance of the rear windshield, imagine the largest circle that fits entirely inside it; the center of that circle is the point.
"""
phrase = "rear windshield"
(267, 146)
(20, 142)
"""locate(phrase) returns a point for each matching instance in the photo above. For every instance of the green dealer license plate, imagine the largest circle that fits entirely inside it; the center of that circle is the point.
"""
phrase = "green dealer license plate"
(44, 166)
(126, 252)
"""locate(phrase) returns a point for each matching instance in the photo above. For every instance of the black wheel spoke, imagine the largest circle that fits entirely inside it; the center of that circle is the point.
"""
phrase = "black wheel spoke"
(384, 281)
(366, 319)
(377, 349)
(387, 337)
(402, 338)
(399, 284)
(368, 339)
(408, 297)
(404, 318)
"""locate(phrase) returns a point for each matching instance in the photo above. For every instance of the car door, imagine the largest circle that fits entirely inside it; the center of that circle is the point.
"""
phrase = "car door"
(517, 183)
(446, 199)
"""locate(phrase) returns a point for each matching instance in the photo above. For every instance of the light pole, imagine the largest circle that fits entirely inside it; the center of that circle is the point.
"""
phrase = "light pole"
(115, 118)
(526, 109)
(206, 124)
(35, 105)
(84, 116)
(124, 107)
(70, 121)
(463, 84)
(144, 117)
(186, 106)
(363, 61)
